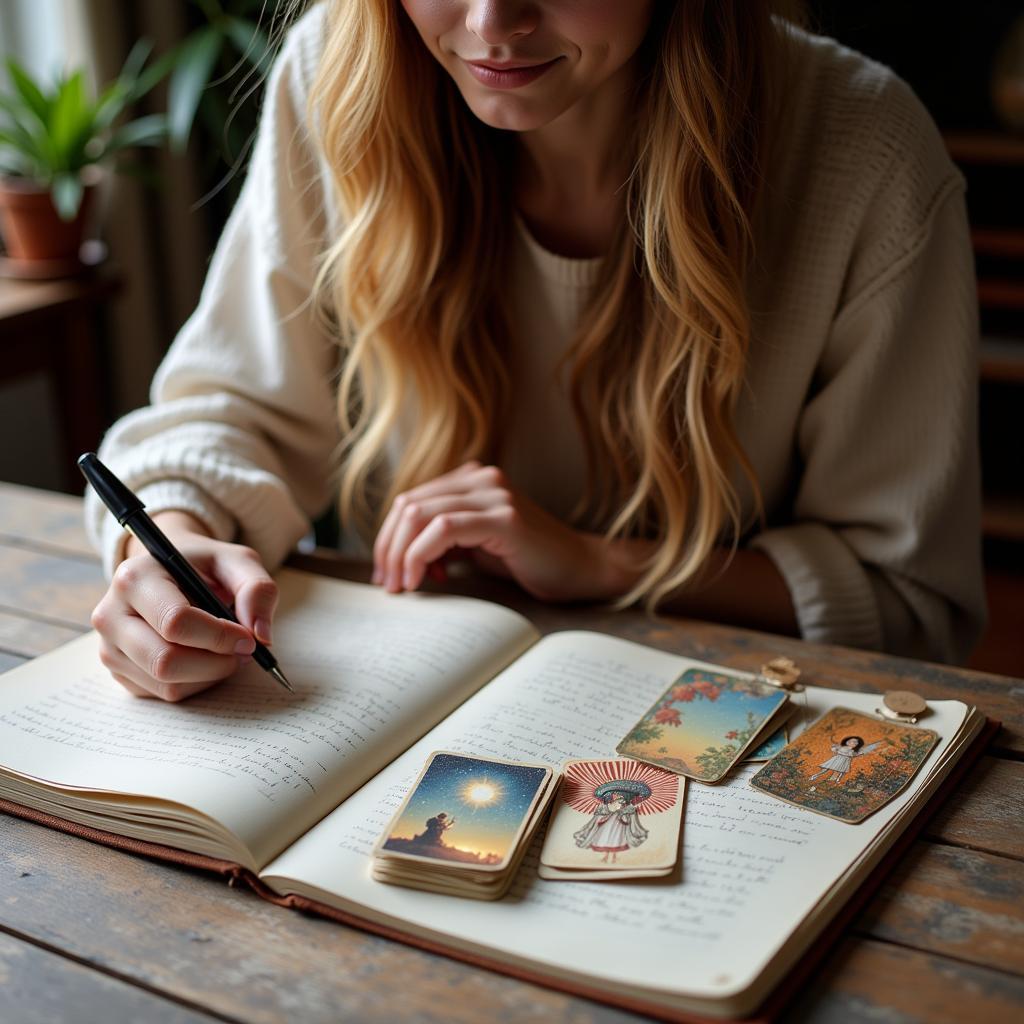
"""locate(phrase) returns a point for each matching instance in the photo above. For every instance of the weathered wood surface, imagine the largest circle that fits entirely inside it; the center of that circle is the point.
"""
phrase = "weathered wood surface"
(45, 586)
(40, 987)
(956, 902)
(227, 951)
(986, 812)
(44, 519)
(942, 941)
(191, 936)
(31, 637)
(866, 982)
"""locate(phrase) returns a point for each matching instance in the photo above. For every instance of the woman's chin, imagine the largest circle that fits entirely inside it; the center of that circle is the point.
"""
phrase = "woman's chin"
(511, 114)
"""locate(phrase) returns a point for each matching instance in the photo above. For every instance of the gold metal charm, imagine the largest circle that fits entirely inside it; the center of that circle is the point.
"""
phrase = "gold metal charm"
(781, 673)
(903, 706)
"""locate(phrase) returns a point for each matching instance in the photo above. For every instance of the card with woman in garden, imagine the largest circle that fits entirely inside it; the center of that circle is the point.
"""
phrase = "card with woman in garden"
(847, 765)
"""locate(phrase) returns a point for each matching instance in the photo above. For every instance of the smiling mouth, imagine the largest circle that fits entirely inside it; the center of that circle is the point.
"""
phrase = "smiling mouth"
(509, 75)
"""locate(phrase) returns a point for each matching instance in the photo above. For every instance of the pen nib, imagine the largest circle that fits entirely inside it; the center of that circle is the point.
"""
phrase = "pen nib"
(279, 676)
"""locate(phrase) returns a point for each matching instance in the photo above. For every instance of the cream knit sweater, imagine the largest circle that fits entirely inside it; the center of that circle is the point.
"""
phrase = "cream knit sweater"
(858, 416)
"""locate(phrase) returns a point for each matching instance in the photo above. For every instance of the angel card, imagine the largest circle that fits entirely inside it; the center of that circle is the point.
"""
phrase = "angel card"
(846, 765)
(704, 723)
(616, 816)
(466, 812)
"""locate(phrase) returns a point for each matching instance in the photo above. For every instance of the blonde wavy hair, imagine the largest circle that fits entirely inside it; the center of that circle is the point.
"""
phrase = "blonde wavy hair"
(414, 284)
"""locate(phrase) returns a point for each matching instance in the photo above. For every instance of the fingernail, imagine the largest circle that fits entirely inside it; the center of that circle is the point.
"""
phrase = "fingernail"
(393, 583)
(245, 646)
(407, 579)
(263, 631)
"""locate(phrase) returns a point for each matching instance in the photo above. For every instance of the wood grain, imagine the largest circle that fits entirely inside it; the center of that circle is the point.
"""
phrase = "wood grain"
(869, 982)
(986, 811)
(43, 518)
(959, 903)
(229, 951)
(61, 590)
(32, 637)
(39, 987)
(226, 950)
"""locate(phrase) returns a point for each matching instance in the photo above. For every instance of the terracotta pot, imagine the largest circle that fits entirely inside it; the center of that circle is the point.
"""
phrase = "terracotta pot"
(31, 227)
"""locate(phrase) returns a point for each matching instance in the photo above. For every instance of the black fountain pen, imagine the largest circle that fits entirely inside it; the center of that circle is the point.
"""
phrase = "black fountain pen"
(129, 512)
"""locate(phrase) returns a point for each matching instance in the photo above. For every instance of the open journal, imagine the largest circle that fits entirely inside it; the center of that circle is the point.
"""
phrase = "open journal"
(297, 789)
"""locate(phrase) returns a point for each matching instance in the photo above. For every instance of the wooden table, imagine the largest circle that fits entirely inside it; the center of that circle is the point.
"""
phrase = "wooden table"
(90, 934)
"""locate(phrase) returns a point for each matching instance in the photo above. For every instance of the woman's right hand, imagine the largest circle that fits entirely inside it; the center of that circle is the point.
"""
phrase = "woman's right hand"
(154, 642)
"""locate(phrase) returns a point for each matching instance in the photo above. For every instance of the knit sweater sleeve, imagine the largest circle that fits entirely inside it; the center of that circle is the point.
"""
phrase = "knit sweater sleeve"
(883, 548)
(242, 424)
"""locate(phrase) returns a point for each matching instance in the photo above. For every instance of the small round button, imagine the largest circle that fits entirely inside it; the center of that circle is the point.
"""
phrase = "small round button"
(903, 702)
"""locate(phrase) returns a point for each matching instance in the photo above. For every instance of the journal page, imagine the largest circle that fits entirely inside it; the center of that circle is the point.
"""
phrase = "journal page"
(372, 672)
(752, 867)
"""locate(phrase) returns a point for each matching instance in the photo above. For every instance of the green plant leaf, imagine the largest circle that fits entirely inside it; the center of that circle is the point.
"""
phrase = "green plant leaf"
(13, 158)
(154, 74)
(190, 77)
(134, 62)
(108, 107)
(249, 39)
(29, 92)
(29, 135)
(144, 131)
(71, 119)
(66, 191)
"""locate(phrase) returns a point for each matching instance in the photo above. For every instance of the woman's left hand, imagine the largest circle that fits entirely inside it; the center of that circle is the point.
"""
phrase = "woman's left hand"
(474, 508)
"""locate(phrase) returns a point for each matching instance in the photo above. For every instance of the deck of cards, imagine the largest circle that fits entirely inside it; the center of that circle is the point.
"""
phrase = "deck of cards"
(613, 819)
(464, 826)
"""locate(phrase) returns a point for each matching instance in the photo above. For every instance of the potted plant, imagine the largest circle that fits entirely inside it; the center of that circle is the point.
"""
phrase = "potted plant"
(53, 142)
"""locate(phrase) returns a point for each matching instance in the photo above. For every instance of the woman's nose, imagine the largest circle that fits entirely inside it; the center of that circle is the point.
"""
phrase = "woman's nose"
(501, 21)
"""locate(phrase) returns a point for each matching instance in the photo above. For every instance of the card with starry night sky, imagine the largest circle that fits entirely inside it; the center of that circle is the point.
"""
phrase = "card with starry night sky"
(466, 811)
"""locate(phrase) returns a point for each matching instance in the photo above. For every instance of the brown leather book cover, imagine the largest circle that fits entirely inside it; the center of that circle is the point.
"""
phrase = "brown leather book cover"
(770, 1011)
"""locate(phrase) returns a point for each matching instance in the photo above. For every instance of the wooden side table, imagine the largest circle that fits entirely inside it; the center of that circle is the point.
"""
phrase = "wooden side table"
(50, 327)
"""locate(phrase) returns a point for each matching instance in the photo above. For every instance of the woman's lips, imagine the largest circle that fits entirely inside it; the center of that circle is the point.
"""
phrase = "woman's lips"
(507, 76)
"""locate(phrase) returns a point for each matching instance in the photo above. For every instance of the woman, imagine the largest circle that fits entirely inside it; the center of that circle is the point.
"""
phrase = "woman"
(648, 302)
(843, 754)
(614, 826)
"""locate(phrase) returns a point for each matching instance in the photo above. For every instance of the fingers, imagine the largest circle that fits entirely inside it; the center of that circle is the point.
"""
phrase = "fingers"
(478, 485)
(153, 595)
(467, 477)
(417, 515)
(255, 593)
(156, 644)
(172, 673)
(487, 529)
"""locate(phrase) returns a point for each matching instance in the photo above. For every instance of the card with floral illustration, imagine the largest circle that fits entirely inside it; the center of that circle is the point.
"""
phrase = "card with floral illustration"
(847, 765)
(614, 816)
(704, 723)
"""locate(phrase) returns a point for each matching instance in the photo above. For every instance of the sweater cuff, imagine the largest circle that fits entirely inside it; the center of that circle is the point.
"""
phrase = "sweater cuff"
(164, 496)
(832, 593)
